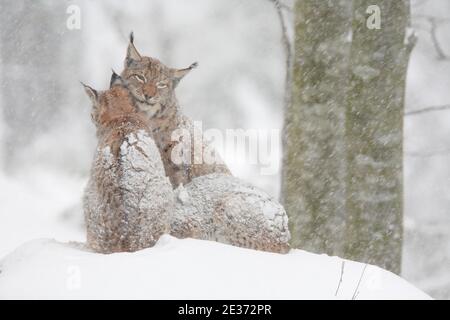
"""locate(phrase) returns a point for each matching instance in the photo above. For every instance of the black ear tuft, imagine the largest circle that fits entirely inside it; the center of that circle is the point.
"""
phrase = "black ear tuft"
(115, 79)
(132, 53)
(178, 74)
(132, 37)
(92, 93)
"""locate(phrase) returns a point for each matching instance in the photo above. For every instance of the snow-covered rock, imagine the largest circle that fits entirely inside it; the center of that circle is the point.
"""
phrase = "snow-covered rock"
(190, 269)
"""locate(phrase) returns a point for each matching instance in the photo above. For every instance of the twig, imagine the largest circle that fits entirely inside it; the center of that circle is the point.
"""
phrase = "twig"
(428, 154)
(288, 51)
(419, 3)
(428, 109)
(340, 279)
(434, 21)
(355, 294)
(437, 46)
(428, 17)
(285, 6)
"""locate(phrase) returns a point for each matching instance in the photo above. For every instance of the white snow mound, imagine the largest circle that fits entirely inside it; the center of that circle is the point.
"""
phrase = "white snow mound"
(190, 269)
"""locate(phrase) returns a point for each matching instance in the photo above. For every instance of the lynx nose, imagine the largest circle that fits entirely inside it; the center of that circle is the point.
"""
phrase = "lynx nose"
(149, 91)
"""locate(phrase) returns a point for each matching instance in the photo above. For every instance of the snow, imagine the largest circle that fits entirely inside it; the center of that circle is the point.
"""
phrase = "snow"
(239, 84)
(190, 269)
(40, 203)
(233, 211)
(135, 198)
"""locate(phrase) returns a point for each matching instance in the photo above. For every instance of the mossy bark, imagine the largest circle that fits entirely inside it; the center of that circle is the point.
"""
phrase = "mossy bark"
(374, 135)
(314, 153)
(39, 57)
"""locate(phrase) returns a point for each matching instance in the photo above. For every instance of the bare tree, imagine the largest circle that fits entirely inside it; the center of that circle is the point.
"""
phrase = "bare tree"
(287, 46)
(38, 57)
(374, 134)
(314, 149)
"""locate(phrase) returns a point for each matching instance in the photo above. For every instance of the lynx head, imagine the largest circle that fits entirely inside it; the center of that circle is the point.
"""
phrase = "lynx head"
(151, 83)
(111, 104)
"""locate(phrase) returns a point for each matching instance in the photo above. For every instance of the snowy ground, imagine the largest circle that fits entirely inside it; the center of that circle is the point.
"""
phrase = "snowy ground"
(190, 269)
(40, 203)
(42, 199)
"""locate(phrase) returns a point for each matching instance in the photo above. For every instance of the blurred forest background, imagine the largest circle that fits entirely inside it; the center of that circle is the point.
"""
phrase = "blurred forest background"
(47, 139)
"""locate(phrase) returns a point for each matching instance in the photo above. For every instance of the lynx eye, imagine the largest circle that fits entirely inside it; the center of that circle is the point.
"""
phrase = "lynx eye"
(161, 85)
(140, 78)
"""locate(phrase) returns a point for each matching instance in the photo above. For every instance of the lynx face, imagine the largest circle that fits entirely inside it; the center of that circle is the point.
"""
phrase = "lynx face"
(151, 83)
(111, 104)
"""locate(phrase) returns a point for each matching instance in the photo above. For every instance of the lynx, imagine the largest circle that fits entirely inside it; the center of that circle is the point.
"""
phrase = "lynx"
(211, 204)
(225, 209)
(128, 198)
(152, 85)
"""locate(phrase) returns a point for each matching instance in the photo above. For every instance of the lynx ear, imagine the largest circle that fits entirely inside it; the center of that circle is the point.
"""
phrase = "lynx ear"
(178, 74)
(92, 94)
(132, 53)
(116, 80)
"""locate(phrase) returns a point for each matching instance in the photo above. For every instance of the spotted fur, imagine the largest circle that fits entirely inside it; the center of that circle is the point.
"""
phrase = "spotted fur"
(128, 199)
(211, 204)
(152, 85)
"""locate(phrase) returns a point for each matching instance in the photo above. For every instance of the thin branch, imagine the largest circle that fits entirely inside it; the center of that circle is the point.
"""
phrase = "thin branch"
(434, 38)
(429, 154)
(434, 23)
(287, 49)
(428, 109)
(417, 4)
(428, 17)
(285, 6)
(340, 279)
(355, 294)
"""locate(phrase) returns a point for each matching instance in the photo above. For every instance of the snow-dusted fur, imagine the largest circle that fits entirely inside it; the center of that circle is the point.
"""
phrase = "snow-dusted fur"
(225, 209)
(152, 85)
(129, 203)
(128, 198)
(212, 205)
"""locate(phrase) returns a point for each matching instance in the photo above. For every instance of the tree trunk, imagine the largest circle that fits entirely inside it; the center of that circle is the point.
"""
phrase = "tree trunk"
(35, 60)
(374, 135)
(314, 152)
